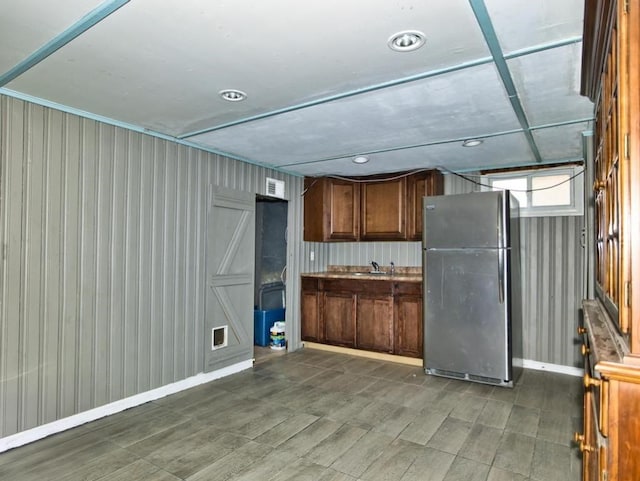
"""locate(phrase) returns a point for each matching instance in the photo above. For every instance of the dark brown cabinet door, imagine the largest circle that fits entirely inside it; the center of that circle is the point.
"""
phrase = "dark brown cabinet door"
(310, 327)
(374, 314)
(331, 210)
(344, 204)
(339, 318)
(408, 319)
(408, 335)
(420, 185)
(383, 210)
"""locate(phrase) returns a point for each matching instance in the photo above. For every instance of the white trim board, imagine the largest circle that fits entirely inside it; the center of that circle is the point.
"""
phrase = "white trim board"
(547, 366)
(526, 363)
(39, 432)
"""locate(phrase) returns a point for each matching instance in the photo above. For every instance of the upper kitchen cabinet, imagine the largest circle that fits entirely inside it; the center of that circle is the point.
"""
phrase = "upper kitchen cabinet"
(368, 208)
(383, 210)
(331, 210)
(419, 185)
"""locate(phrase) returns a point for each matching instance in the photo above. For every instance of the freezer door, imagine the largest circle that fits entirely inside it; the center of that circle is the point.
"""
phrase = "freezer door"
(466, 313)
(465, 220)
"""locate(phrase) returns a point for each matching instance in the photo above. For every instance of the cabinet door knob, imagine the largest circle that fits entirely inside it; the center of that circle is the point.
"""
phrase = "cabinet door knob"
(584, 350)
(586, 447)
(580, 439)
(591, 381)
(599, 185)
(582, 330)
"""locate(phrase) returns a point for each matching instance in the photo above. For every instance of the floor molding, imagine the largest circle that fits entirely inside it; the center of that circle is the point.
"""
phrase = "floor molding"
(547, 366)
(411, 361)
(75, 420)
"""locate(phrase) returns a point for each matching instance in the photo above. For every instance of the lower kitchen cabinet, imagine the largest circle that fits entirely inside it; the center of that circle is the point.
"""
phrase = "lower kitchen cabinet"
(374, 329)
(408, 319)
(310, 313)
(374, 315)
(339, 318)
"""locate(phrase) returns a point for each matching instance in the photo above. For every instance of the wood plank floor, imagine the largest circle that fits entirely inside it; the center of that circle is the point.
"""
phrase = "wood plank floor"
(315, 415)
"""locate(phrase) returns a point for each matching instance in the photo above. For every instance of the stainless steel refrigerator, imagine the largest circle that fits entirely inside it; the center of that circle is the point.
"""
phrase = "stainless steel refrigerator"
(471, 267)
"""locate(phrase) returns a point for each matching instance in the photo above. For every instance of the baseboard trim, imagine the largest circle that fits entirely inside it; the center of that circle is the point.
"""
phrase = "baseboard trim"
(547, 366)
(30, 435)
(411, 361)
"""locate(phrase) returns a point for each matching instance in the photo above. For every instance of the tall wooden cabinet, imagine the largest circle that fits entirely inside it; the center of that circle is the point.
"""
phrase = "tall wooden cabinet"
(610, 439)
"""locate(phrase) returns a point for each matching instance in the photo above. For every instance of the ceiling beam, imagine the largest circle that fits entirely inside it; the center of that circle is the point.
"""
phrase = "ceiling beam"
(351, 93)
(392, 83)
(78, 28)
(458, 140)
(486, 26)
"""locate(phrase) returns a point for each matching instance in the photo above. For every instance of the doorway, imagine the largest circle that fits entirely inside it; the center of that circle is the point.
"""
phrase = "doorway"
(270, 273)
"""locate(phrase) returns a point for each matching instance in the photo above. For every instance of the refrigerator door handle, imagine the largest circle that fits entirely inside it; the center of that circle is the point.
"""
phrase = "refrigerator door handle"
(500, 220)
(501, 276)
(500, 245)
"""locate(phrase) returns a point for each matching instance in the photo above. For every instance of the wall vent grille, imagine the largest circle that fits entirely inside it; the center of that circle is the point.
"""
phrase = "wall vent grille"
(275, 188)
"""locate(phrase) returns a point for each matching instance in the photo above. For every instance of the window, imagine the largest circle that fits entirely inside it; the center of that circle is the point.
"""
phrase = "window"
(542, 192)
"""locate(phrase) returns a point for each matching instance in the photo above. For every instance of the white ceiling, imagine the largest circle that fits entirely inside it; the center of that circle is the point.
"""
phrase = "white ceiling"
(322, 84)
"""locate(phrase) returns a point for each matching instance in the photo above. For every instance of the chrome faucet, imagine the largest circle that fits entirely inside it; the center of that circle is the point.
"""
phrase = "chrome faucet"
(375, 265)
(393, 268)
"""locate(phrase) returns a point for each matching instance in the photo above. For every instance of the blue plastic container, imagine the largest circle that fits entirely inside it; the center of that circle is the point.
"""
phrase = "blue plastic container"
(262, 323)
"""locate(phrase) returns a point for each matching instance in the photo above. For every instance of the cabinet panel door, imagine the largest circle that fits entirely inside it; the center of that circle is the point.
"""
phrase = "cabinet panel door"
(310, 319)
(338, 318)
(374, 320)
(383, 210)
(408, 323)
(590, 468)
(344, 210)
(419, 186)
(624, 429)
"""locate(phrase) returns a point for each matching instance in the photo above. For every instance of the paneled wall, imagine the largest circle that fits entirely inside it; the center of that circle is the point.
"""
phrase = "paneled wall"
(103, 276)
(552, 271)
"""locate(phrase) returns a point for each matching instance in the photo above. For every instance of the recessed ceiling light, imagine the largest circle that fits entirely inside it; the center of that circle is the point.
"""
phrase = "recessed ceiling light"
(232, 95)
(472, 142)
(360, 159)
(406, 41)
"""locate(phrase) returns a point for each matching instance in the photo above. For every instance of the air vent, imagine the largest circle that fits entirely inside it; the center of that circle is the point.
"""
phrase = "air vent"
(218, 337)
(466, 376)
(486, 380)
(275, 188)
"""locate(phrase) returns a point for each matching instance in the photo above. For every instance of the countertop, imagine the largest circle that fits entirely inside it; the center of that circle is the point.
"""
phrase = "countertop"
(401, 274)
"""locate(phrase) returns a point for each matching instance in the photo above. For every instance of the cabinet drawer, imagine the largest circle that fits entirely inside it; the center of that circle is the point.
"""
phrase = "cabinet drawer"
(357, 286)
(309, 284)
(408, 288)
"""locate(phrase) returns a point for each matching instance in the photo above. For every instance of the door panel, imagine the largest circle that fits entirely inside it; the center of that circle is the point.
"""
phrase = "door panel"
(339, 318)
(465, 329)
(230, 271)
(476, 219)
(374, 322)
